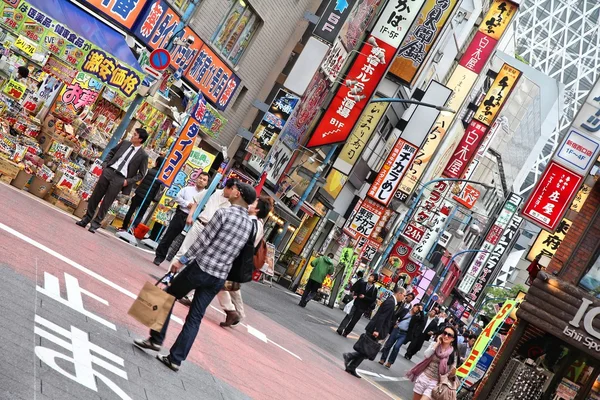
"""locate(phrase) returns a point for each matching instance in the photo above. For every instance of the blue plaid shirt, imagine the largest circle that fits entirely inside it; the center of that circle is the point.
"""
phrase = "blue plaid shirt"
(221, 241)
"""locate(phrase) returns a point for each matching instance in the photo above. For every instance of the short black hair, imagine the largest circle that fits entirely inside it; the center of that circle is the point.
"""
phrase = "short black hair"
(264, 207)
(374, 275)
(410, 294)
(23, 71)
(231, 183)
(159, 162)
(142, 133)
(203, 173)
(360, 274)
(330, 255)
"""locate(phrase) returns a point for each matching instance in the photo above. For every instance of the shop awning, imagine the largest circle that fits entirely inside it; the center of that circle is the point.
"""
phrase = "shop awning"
(89, 27)
(282, 210)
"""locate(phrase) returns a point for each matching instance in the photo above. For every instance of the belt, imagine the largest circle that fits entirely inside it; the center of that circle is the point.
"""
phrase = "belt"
(118, 172)
(402, 331)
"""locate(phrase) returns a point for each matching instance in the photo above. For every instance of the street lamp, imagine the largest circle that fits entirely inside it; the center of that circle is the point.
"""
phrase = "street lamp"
(447, 267)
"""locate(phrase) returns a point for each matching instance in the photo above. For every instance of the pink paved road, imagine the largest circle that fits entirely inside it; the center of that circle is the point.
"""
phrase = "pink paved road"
(283, 365)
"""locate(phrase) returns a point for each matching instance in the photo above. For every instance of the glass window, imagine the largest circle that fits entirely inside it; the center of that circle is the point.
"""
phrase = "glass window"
(591, 279)
(236, 31)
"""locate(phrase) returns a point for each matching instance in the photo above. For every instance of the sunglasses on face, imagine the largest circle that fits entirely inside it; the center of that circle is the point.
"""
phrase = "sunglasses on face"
(448, 334)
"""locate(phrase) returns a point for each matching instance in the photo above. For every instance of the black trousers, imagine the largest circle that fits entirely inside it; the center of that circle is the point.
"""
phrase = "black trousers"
(356, 358)
(416, 345)
(309, 291)
(107, 189)
(176, 225)
(350, 321)
(136, 202)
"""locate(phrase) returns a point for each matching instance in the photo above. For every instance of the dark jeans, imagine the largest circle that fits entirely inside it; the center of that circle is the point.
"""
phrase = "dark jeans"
(394, 342)
(207, 287)
(136, 201)
(350, 321)
(416, 344)
(309, 291)
(176, 225)
(106, 190)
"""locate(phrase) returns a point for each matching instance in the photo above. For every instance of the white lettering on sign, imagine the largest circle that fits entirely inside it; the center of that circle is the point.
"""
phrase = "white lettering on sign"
(588, 317)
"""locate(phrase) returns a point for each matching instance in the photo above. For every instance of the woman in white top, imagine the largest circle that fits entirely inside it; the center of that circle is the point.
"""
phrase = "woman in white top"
(441, 358)
(231, 301)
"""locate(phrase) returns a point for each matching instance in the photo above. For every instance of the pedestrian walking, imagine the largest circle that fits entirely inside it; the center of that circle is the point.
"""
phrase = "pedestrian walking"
(406, 323)
(322, 267)
(185, 199)
(428, 328)
(147, 189)
(209, 262)
(126, 164)
(439, 364)
(465, 349)
(378, 328)
(231, 300)
(365, 296)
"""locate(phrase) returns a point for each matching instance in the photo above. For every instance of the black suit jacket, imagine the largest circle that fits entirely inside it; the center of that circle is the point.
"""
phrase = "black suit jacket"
(360, 287)
(137, 168)
(432, 327)
(383, 319)
(414, 324)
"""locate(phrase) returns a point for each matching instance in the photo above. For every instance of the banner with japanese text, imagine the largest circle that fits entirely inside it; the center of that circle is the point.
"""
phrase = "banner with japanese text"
(180, 152)
(125, 12)
(367, 217)
(547, 243)
(392, 171)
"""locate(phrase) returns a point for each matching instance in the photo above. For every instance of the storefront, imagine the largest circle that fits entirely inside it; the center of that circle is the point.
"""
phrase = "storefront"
(554, 353)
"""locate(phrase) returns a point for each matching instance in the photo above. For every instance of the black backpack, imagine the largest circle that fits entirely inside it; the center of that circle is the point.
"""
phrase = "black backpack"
(243, 265)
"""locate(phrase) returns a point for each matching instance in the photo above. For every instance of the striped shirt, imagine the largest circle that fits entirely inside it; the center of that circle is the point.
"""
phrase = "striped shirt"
(221, 241)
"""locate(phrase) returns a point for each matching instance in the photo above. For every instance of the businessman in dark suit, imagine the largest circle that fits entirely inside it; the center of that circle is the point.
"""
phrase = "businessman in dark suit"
(379, 327)
(428, 328)
(126, 164)
(365, 295)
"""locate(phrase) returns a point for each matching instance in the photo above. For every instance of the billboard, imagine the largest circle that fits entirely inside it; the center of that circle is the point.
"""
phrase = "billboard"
(332, 19)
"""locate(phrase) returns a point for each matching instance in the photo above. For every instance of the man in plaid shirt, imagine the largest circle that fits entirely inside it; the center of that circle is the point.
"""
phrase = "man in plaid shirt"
(221, 242)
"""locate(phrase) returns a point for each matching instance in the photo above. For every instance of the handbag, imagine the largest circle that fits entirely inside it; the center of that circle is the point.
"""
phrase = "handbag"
(445, 389)
(152, 306)
(243, 265)
(348, 308)
(367, 346)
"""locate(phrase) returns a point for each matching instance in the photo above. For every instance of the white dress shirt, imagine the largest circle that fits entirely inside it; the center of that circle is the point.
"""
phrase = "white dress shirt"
(123, 171)
(260, 229)
(185, 198)
(214, 203)
(427, 324)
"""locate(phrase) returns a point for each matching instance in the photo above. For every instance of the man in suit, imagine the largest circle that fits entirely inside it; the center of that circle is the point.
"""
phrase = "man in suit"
(425, 331)
(406, 323)
(465, 349)
(365, 295)
(126, 164)
(378, 328)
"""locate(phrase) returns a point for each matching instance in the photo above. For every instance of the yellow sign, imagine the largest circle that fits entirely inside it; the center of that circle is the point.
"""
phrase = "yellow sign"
(485, 338)
(547, 243)
(304, 232)
(14, 89)
(25, 45)
(412, 53)
(581, 197)
(335, 182)
(498, 17)
(461, 82)
(360, 137)
(497, 95)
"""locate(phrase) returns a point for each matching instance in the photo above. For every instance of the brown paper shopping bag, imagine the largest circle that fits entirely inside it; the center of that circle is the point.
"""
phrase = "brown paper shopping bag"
(152, 306)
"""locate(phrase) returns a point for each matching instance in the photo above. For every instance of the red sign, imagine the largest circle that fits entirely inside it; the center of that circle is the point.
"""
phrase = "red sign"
(180, 152)
(466, 150)
(469, 197)
(552, 196)
(160, 59)
(414, 233)
(399, 258)
(478, 52)
(346, 107)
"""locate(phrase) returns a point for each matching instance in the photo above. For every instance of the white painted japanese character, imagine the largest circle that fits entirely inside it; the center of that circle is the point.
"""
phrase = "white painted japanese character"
(554, 196)
(548, 208)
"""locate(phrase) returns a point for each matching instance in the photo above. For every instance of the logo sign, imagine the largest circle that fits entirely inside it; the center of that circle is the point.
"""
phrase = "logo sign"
(333, 19)
(466, 150)
(497, 95)
(509, 209)
(359, 137)
(414, 233)
(578, 152)
(497, 18)
(478, 52)
(367, 70)
(551, 196)
(494, 260)
(180, 152)
(157, 25)
(547, 243)
(469, 196)
(413, 51)
(367, 217)
(485, 338)
(160, 59)
(392, 171)
(125, 12)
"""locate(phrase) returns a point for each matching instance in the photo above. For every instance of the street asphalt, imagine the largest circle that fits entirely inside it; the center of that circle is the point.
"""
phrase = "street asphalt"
(66, 334)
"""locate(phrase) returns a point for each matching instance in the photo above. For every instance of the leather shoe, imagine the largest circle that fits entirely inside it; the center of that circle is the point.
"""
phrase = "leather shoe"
(157, 261)
(83, 223)
(94, 227)
(347, 360)
(353, 373)
(232, 318)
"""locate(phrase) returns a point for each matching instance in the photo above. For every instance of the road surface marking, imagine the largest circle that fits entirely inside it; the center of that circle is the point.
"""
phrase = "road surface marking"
(382, 389)
(102, 279)
(258, 334)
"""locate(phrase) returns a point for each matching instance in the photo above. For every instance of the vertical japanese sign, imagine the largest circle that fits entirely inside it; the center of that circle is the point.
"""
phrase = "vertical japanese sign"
(180, 152)
(581, 197)
(432, 232)
(461, 82)
(552, 196)
(495, 259)
(333, 19)
(425, 212)
(125, 12)
(509, 209)
(546, 243)
(415, 48)
(272, 123)
(366, 217)
(359, 137)
(392, 171)
(368, 69)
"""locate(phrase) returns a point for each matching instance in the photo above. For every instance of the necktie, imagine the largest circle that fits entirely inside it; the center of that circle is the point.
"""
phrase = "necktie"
(125, 159)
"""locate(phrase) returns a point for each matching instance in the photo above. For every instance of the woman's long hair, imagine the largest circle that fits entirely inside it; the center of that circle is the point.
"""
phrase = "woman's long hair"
(454, 355)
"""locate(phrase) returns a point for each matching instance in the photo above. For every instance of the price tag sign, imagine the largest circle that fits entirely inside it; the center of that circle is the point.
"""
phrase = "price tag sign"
(14, 89)
(25, 45)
